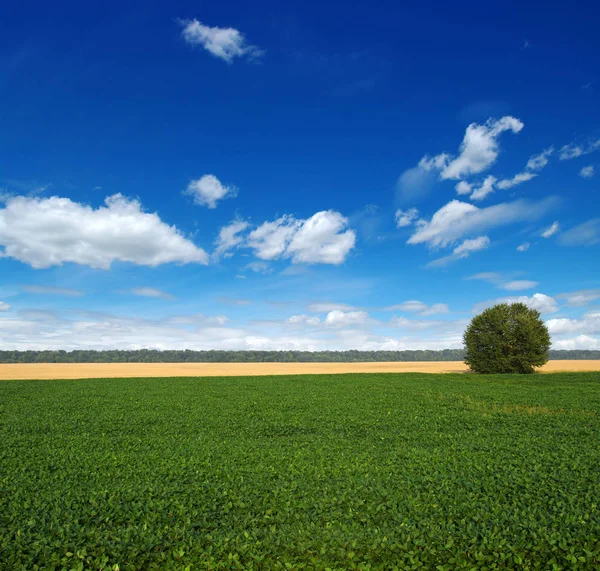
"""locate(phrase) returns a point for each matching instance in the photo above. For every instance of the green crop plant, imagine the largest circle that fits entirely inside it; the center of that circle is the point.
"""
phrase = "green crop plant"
(360, 471)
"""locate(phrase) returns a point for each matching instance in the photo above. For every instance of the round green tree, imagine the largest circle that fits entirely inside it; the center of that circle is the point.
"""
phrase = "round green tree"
(506, 338)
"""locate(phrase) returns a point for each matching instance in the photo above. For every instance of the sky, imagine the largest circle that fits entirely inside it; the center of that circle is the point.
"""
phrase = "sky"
(297, 175)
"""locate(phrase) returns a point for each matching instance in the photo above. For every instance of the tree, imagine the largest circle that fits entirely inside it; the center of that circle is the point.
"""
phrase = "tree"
(506, 338)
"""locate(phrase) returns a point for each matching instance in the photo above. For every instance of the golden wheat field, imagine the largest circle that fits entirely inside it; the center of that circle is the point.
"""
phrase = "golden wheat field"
(124, 370)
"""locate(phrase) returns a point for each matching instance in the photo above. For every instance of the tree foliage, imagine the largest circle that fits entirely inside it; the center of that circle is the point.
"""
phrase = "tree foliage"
(189, 356)
(507, 338)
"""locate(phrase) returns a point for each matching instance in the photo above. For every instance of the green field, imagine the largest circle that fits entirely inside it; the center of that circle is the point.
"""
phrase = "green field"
(371, 471)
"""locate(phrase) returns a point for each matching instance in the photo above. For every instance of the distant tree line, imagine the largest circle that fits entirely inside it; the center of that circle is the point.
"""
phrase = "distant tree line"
(189, 356)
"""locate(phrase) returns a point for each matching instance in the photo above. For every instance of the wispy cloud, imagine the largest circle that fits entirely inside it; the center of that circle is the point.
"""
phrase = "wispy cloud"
(52, 290)
(418, 307)
(458, 219)
(151, 292)
(550, 231)
(586, 234)
(463, 250)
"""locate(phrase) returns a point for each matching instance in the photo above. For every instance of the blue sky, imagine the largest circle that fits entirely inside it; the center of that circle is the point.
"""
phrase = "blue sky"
(296, 175)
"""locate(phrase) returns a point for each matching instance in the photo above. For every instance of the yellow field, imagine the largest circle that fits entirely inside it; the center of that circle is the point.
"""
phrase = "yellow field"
(106, 370)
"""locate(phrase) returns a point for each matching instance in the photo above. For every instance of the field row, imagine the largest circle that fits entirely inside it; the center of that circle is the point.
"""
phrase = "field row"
(129, 370)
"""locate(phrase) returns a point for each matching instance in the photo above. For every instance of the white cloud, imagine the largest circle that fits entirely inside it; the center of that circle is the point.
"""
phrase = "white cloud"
(326, 307)
(45, 232)
(588, 324)
(500, 281)
(538, 162)
(517, 285)
(543, 303)
(587, 172)
(458, 219)
(228, 300)
(463, 187)
(406, 217)
(572, 150)
(535, 163)
(271, 239)
(479, 149)
(492, 277)
(550, 231)
(197, 319)
(579, 342)
(229, 238)
(258, 267)
(224, 43)
(581, 297)
(418, 307)
(4, 306)
(468, 246)
(92, 330)
(208, 190)
(463, 250)
(151, 292)
(487, 187)
(52, 290)
(303, 320)
(338, 318)
(523, 247)
(515, 180)
(320, 239)
(586, 234)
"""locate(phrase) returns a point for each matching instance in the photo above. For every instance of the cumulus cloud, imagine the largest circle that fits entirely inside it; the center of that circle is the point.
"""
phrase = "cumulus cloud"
(45, 232)
(479, 149)
(458, 219)
(406, 217)
(52, 290)
(229, 238)
(463, 250)
(208, 190)
(589, 324)
(477, 192)
(516, 285)
(150, 292)
(587, 172)
(487, 187)
(224, 43)
(478, 152)
(338, 318)
(550, 231)
(572, 150)
(321, 239)
(523, 247)
(4, 306)
(543, 303)
(586, 234)
(418, 307)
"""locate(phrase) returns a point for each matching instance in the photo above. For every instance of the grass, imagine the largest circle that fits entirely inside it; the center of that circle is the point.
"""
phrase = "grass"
(358, 471)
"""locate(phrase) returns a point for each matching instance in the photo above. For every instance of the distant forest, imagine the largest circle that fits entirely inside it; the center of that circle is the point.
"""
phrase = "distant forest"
(188, 356)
